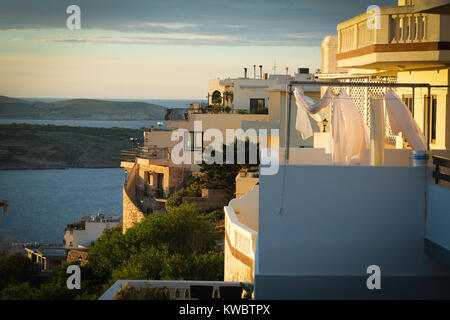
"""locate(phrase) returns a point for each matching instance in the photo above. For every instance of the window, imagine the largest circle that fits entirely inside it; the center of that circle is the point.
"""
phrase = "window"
(193, 141)
(216, 97)
(433, 118)
(256, 104)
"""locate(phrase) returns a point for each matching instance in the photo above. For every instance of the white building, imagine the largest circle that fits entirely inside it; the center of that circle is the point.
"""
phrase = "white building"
(84, 232)
(251, 94)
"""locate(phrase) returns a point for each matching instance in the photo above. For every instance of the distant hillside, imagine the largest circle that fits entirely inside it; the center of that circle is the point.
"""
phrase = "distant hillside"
(81, 109)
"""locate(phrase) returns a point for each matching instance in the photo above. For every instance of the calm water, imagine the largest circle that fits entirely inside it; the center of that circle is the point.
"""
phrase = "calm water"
(42, 202)
(132, 124)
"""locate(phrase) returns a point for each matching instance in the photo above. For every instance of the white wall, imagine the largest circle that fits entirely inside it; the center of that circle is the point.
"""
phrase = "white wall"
(246, 208)
(335, 221)
(438, 215)
(93, 230)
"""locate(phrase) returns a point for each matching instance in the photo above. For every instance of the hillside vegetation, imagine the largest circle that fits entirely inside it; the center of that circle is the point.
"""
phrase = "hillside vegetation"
(24, 146)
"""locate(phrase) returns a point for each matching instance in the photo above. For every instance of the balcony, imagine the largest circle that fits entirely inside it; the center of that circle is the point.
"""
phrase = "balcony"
(144, 155)
(316, 237)
(178, 290)
(402, 40)
(150, 152)
(241, 229)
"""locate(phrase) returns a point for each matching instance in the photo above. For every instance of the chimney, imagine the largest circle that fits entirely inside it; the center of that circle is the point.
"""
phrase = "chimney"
(266, 76)
(287, 70)
(245, 73)
(254, 71)
(260, 72)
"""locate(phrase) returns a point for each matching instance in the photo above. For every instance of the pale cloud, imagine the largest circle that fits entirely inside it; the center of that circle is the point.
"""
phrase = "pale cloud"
(235, 26)
(171, 25)
(160, 39)
(301, 36)
(160, 26)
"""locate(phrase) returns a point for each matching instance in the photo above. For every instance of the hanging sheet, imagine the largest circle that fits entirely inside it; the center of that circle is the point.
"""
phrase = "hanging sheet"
(307, 108)
(401, 119)
(349, 134)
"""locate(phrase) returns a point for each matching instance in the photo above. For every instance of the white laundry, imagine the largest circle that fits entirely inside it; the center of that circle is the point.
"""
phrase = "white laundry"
(305, 108)
(349, 134)
(401, 119)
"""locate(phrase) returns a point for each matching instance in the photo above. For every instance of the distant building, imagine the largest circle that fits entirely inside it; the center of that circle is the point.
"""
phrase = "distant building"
(252, 94)
(151, 178)
(47, 258)
(88, 229)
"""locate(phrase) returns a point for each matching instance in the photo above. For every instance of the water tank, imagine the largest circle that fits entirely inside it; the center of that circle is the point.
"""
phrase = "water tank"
(303, 70)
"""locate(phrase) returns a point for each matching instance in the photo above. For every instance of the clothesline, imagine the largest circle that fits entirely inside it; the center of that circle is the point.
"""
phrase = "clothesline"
(383, 98)
(346, 84)
(349, 134)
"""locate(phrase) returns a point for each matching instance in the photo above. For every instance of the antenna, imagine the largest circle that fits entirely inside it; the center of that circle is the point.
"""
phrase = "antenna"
(274, 66)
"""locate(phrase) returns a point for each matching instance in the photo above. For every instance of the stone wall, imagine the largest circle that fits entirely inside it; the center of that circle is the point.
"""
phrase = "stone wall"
(73, 256)
(131, 213)
(210, 199)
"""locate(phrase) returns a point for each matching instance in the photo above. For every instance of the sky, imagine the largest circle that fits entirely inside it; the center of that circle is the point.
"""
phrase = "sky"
(158, 49)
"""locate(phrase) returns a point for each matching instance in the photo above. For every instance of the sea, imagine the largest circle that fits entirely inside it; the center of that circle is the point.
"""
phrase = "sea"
(43, 202)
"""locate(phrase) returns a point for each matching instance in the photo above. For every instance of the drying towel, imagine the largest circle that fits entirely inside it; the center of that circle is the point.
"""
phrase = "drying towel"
(305, 108)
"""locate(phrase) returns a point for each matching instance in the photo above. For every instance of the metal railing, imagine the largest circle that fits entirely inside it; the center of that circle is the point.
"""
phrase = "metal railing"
(437, 174)
(144, 153)
(178, 289)
(128, 155)
(152, 153)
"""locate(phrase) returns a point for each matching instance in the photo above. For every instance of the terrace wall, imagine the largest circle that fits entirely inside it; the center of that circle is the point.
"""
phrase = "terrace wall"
(131, 212)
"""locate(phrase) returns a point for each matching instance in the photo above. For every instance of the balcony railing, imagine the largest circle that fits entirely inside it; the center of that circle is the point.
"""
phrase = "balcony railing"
(228, 110)
(392, 25)
(151, 152)
(408, 28)
(128, 155)
(180, 290)
(438, 174)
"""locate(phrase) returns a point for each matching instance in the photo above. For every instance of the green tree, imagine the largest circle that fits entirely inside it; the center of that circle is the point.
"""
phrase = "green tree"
(222, 176)
(21, 291)
(15, 269)
(160, 247)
